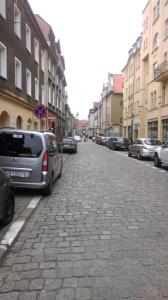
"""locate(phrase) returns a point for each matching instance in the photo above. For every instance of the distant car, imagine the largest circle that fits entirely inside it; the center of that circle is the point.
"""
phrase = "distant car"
(161, 155)
(7, 199)
(77, 138)
(69, 144)
(119, 143)
(143, 147)
(33, 159)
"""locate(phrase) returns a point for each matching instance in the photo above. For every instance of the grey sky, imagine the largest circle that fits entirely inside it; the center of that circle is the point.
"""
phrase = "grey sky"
(95, 37)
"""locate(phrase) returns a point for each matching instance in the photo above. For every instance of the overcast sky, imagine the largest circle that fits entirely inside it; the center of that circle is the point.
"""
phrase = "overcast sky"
(95, 37)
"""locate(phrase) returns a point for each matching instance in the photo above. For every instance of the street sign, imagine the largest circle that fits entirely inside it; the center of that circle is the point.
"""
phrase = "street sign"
(40, 111)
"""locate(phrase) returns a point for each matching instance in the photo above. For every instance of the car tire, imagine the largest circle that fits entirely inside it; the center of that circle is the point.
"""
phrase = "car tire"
(60, 173)
(9, 210)
(129, 153)
(157, 162)
(139, 155)
(48, 189)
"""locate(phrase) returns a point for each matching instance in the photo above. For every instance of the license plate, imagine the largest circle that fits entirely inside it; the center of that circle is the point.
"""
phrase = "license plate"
(18, 174)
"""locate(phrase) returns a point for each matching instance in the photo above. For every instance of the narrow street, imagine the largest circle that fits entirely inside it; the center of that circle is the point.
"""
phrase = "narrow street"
(101, 235)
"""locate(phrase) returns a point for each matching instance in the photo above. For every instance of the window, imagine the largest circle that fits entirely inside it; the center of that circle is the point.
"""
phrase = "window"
(3, 8)
(163, 94)
(36, 50)
(165, 57)
(28, 38)
(3, 60)
(154, 68)
(17, 21)
(166, 28)
(42, 60)
(18, 73)
(28, 82)
(49, 93)
(36, 89)
(53, 96)
(156, 41)
(42, 94)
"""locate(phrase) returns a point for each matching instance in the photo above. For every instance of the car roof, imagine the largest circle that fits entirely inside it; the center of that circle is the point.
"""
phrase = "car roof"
(7, 129)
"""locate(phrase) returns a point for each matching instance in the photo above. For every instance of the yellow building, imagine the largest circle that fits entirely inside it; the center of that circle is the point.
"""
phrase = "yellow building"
(146, 77)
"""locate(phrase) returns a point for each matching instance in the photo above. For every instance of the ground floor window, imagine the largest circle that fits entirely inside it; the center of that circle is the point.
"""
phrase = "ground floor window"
(153, 129)
(130, 133)
(165, 129)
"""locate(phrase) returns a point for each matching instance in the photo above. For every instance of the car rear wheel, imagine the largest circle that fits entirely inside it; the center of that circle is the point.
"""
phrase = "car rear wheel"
(139, 156)
(157, 162)
(48, 189)
(9, 210)
(129, 153)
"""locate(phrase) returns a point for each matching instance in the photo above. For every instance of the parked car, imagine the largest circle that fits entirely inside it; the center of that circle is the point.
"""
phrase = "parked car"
(119, 143)
(69, 144)
(143, 147)
(77, 138)
(32, 159)
(7, 199)
(161, 155)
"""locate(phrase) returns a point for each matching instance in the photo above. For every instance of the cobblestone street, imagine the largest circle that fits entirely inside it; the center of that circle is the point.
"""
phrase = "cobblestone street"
(102, 235)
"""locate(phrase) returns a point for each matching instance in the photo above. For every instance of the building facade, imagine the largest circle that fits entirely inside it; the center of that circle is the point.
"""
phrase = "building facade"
(31, 70)
(146, 104)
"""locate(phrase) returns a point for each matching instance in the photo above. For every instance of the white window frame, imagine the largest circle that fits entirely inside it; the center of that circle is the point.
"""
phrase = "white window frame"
(28, 82)
(3, 8)
(18, 73)
(36, 87)
(36, 50)
(49, 93)
(42, 60)
(3, 61)
(53, 96)
(28, 38)
(42, 94)
(17, 21)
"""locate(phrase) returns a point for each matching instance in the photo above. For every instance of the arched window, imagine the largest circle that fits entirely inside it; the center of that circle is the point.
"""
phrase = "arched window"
(4, 119)
(19, 122)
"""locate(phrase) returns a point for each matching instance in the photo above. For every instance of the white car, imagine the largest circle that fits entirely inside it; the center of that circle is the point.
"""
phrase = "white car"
(77, 138)
(161, 155)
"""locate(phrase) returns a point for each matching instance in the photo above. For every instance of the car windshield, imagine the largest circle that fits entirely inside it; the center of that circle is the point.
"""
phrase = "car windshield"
(68, 139)
(20, 144)
(152, 142)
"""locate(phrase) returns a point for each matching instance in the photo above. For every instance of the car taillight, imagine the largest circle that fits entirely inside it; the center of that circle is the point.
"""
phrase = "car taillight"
(143, 147)
(45, 162)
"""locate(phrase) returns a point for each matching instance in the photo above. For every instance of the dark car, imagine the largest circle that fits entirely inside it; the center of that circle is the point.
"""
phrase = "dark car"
(119, 143)
(7, 199)
(69, 144)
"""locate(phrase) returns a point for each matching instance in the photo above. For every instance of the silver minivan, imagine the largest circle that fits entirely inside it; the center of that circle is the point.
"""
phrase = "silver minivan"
(33, 159)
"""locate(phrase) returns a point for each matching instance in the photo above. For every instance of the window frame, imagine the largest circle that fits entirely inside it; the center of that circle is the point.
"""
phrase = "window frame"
(3, 63)
(28, 84)
(3, 8)
(36, 50)
(28, 38)
(36, 89)
(18, 76)
(17, 23)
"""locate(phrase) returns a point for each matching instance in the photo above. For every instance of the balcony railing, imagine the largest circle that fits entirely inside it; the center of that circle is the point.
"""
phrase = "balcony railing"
(161, 72)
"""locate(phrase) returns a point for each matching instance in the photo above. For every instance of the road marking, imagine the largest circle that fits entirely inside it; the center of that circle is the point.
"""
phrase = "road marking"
(17, 225)
(12, 233)
(33, 203)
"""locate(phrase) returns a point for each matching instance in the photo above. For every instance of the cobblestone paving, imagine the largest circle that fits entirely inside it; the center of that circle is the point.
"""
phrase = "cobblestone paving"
(102, 235)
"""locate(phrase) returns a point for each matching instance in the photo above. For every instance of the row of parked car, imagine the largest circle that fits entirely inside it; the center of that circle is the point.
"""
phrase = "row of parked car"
(140, 148)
